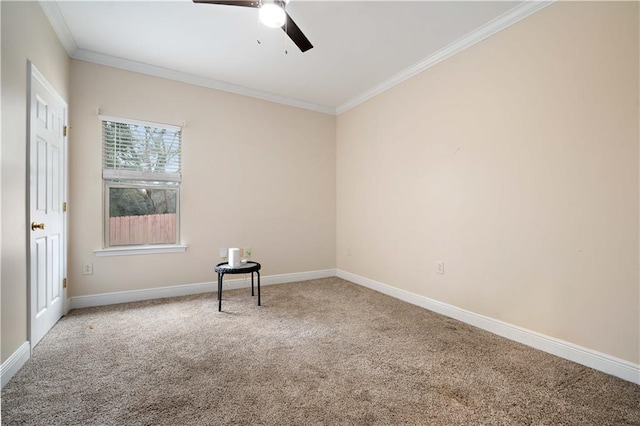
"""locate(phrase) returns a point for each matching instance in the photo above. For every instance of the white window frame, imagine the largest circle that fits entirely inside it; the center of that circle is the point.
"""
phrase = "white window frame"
(113, 178)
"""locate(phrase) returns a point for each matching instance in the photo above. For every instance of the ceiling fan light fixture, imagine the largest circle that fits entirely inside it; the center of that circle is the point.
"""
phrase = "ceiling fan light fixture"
(272, 15)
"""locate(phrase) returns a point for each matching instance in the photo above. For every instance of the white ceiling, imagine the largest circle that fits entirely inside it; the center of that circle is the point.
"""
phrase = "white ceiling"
(360, 47)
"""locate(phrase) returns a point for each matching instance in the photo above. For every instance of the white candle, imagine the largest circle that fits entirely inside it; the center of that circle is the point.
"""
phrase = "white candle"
(234, 257)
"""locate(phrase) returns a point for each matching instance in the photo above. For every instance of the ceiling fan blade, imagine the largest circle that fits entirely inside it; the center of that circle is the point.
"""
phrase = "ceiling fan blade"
(295, 33)
(244, 3)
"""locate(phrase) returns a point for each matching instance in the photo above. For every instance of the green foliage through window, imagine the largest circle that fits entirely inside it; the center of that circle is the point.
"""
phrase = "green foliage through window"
(141, 201)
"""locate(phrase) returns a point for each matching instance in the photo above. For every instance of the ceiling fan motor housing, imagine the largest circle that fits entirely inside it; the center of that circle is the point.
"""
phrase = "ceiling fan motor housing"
(288, 26)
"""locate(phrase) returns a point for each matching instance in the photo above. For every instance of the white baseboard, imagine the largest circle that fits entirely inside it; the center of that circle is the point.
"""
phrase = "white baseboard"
(188, 289)
(14, 363)
(597, 360)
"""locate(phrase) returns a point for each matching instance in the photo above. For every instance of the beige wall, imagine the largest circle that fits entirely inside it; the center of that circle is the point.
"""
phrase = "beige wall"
(515, 163)
(255, 174)
(26, 34)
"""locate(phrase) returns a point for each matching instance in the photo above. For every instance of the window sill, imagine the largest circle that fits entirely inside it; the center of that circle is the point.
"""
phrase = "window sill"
(135, 250)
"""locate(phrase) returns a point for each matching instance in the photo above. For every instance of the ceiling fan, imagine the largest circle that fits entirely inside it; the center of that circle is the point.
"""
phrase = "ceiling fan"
(272, 14)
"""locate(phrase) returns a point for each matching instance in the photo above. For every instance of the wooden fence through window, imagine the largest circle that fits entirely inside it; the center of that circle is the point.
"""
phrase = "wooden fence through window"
(148, 229)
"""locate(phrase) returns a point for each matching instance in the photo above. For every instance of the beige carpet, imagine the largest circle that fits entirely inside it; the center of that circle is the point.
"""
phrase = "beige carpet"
(318, 352)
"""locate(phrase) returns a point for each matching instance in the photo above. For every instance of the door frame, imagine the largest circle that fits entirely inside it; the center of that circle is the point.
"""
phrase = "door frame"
(33, 73)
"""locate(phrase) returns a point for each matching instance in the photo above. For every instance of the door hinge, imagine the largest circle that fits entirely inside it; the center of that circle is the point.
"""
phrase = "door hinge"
(64, 131)
(64, 207)
(64, 283)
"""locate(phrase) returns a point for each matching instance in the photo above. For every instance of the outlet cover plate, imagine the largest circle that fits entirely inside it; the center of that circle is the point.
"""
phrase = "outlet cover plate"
(87, 269)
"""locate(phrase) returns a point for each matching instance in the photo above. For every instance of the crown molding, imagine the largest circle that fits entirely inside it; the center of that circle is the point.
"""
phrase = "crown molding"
(492, 27)
(125, 64)
(59, 25)
(51, 10)
(505, 20)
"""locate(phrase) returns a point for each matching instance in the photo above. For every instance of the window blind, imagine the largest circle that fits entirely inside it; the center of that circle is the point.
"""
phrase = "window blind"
(140, 150)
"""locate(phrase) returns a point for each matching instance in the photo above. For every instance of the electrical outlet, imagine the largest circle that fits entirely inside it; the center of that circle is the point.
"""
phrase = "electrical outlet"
(440, 267)
(87, 269)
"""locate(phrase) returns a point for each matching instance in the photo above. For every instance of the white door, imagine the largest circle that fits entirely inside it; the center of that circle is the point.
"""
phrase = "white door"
(47, 171)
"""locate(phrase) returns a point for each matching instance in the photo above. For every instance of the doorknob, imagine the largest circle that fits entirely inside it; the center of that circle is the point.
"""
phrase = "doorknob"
(35, 226)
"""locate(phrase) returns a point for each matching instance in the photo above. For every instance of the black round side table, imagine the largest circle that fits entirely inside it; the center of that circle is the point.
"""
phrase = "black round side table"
(224, 268)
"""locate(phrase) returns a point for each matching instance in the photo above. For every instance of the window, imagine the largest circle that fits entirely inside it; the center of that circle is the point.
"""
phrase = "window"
(142, 175)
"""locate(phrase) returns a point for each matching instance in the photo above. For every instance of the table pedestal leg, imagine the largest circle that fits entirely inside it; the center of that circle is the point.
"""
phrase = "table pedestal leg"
(220, 276)
(252, 284)
(257, 272)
